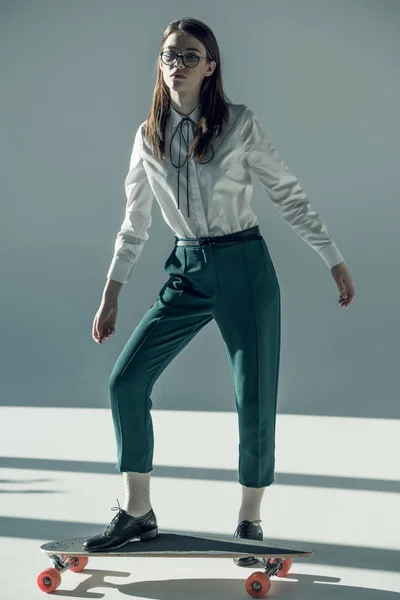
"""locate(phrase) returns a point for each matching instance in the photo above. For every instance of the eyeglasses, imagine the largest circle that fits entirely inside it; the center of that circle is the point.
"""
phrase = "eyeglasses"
(189, 60)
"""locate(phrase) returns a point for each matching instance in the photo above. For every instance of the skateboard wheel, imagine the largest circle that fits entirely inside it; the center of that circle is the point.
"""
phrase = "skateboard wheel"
(285, 567)
(48, 580)
(81, 564)
(258, 584)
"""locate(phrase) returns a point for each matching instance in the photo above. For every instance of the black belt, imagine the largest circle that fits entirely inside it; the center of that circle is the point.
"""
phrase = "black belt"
(252, 234)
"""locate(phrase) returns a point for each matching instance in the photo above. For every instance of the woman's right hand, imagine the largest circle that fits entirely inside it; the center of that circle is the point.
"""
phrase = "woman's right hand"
(105, 320)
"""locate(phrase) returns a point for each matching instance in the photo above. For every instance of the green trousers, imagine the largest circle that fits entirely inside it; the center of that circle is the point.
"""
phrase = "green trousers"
(234, 282)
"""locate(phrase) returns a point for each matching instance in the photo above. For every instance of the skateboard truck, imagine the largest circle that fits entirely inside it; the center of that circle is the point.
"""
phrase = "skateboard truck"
(63, 565)
(50, 579)
(258, 584)
(273, 566)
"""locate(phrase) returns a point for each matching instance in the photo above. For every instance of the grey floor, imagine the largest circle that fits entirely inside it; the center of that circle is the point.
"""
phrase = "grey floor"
(332, 495)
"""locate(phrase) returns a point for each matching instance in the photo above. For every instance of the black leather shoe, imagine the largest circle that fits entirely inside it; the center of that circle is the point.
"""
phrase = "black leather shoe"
(122, 530)
(249, 530)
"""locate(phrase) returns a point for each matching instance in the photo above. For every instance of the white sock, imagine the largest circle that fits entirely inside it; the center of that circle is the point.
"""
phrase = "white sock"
(137, 493)
(251, 502)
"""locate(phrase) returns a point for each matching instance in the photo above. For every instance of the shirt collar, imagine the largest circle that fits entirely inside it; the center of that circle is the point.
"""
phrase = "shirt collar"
(176, 117)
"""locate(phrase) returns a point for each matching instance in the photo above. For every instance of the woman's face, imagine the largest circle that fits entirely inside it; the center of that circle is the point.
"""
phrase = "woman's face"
(183, 43)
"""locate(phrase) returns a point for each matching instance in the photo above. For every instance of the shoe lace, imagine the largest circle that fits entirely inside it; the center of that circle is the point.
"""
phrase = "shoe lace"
(244, 526)
(115, 519)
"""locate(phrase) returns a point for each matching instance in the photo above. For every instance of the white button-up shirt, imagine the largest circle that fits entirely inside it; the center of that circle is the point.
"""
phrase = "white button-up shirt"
(213, 197)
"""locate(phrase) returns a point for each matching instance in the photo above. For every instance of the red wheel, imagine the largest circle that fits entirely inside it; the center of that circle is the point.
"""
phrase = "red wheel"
(285, 567)
(258, 584)
(48, 580)
(82, 562)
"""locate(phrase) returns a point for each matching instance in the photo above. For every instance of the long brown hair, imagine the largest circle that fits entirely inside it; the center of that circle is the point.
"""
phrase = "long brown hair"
(213, 101)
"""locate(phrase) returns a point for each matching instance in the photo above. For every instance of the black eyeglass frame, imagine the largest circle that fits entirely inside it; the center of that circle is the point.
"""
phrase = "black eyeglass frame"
(182, 56)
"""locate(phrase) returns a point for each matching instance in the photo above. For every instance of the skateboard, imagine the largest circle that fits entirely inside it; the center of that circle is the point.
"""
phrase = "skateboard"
(68, 555)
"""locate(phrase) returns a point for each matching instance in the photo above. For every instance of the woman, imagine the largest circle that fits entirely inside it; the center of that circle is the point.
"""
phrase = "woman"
(219, 268)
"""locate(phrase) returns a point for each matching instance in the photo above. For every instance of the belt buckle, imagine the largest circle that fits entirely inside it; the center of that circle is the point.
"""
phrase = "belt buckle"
(206, 241)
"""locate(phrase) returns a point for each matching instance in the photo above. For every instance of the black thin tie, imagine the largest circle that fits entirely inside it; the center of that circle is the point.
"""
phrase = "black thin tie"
(178, 166)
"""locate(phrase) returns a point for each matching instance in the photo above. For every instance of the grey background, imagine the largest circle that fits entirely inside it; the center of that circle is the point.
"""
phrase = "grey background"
(76, 82)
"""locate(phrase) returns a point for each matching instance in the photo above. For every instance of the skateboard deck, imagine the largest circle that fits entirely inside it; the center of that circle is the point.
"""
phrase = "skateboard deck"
(272, 558)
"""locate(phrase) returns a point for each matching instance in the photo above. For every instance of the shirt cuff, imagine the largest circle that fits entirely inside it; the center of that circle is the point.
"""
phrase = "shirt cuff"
(331, 255)
(120, 270)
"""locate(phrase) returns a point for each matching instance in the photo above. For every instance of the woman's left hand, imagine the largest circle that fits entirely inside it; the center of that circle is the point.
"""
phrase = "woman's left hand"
(341, 275)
